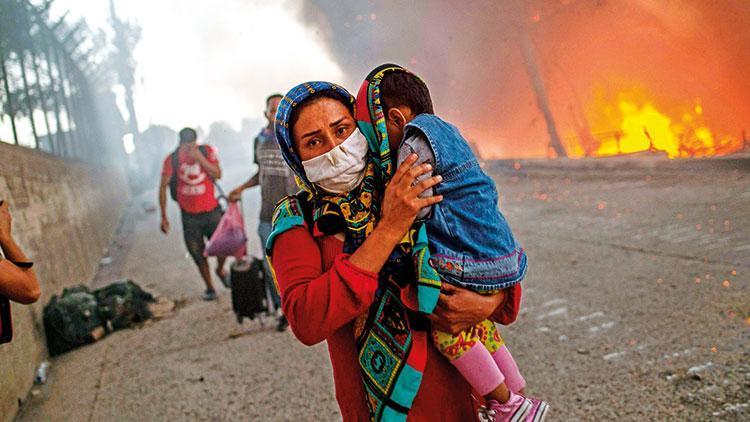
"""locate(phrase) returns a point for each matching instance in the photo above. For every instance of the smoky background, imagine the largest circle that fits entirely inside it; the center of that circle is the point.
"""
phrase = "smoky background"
(561, 77)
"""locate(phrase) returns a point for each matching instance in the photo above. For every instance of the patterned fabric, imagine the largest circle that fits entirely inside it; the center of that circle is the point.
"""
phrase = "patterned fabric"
(454, 346)
(392, 351)
(284, 113)
(371, 121)
(355, 212)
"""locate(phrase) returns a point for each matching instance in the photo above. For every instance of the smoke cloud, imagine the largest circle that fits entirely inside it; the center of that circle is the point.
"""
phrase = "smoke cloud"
(687, 59)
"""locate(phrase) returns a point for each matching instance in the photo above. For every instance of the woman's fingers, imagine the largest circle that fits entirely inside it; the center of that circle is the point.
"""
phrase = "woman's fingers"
(447, 289)
(404, 168)
(415, 172)
(408, 180)
(426, 184)
(426, 202)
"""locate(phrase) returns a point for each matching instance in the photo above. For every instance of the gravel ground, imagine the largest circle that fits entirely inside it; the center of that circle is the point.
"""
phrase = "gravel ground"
(635, 308)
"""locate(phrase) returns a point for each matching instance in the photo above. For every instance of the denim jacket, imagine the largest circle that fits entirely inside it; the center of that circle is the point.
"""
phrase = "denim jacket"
(470, 241)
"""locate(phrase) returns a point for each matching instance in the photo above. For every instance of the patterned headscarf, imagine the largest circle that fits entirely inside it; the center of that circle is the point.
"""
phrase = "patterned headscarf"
(287, 105)
(354, 213)
(371, 120)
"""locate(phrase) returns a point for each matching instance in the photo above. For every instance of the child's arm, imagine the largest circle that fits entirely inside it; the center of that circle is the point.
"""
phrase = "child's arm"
(417, 143)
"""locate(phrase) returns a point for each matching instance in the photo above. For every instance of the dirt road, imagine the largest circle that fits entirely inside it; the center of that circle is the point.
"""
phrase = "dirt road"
(636, 307)
(637, 304)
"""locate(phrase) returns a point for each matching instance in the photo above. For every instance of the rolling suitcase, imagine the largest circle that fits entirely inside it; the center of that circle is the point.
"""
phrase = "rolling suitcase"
(249, 297)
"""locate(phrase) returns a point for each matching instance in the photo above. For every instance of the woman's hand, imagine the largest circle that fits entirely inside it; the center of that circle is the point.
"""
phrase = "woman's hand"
(401, 201)
(401, 204)
(459, 309)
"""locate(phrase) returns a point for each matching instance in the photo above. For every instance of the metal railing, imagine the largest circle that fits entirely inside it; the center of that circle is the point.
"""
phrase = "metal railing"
(48, 91)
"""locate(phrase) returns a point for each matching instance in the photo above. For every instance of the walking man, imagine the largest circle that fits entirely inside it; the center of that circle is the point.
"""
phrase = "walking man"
(276, 181)
(189, 173)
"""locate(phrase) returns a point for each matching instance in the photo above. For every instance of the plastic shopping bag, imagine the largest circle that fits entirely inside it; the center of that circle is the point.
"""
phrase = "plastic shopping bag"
(229, 239)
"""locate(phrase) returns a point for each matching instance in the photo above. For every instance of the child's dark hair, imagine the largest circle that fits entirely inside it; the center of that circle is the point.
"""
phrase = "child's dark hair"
(315, 97)
(405, 89)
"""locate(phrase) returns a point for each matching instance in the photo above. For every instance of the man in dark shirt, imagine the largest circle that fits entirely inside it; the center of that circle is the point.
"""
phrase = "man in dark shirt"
(275, 180)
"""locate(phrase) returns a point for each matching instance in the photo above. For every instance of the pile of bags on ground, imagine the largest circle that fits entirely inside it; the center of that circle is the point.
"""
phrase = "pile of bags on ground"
(80, 316)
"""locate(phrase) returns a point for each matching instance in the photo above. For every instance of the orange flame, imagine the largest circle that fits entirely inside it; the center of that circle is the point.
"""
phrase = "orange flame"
(639, 125)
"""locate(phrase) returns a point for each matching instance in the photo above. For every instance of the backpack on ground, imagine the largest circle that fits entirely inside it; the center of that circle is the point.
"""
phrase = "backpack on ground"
(72, 320)
(123, 304)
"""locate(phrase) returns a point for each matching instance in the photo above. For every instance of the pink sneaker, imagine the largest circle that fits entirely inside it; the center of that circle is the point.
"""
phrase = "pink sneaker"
(538, 410)
(516, 409)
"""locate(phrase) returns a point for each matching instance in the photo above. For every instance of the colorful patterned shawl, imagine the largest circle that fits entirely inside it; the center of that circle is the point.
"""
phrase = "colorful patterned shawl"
(392, 348)
(371, 121)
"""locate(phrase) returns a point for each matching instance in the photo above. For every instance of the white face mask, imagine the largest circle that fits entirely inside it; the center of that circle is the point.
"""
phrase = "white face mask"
(342, 168)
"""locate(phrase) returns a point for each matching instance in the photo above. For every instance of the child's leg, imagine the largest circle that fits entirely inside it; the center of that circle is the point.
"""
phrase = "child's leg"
(509, 368)
(491, 339)
(467, 353)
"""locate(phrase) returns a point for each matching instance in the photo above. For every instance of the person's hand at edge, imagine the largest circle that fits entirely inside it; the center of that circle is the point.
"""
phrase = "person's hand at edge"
(5, 221)
(164, 226)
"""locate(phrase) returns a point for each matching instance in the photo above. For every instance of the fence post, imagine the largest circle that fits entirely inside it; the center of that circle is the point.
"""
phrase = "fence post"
(22, 63)
(6, 86)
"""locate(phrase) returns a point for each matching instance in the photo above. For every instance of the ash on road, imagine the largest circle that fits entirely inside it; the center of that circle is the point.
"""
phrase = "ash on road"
(636, 307)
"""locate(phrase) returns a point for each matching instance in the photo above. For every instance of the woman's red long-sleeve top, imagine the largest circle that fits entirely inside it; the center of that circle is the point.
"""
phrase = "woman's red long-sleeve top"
(322, 293)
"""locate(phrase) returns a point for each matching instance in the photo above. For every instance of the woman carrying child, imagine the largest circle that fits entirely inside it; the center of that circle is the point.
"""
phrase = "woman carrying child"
(331, 252)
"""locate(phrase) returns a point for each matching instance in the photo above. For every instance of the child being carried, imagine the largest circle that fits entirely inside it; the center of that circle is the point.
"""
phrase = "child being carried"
(471, 244)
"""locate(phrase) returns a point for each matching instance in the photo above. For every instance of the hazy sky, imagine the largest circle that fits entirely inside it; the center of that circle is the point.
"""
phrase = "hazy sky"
(203, 61)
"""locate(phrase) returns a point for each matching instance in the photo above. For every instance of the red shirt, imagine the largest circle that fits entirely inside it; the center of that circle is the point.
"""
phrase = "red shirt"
(322, 293)
(195, 188)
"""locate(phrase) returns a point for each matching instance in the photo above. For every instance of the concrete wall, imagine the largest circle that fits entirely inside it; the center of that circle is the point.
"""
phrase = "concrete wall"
(64, 214)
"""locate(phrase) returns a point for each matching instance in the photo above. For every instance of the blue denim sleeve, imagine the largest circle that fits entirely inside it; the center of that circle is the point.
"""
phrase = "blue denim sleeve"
(417, 143)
